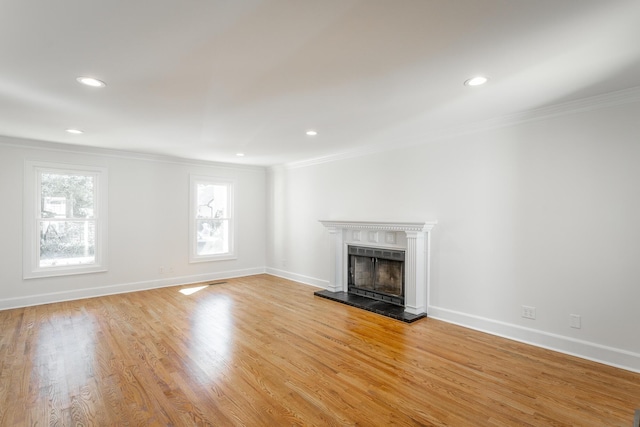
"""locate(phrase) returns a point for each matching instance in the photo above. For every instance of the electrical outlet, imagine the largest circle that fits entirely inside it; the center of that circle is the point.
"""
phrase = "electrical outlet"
(161, 270)
(576, 321)
(528, 312)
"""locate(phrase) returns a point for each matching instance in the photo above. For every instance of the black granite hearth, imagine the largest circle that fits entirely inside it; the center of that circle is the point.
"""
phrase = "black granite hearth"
(379, 307)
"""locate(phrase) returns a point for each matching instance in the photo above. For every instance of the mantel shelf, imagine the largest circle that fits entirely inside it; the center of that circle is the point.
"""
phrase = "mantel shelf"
(383, 226)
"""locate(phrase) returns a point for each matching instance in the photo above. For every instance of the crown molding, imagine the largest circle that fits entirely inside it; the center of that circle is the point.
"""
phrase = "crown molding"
(593, 103)
(16, 142)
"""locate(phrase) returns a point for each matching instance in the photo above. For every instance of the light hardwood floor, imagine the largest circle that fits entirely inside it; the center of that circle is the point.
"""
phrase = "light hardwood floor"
(263, 351)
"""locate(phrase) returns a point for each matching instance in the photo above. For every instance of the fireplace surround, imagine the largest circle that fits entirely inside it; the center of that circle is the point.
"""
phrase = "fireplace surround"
(410, 238)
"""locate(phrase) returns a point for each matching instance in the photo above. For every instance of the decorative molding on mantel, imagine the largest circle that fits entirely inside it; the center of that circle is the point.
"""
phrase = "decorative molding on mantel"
(383, 226)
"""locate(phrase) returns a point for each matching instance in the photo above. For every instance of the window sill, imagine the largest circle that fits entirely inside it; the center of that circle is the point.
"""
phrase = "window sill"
(210, 258)
(63, 271)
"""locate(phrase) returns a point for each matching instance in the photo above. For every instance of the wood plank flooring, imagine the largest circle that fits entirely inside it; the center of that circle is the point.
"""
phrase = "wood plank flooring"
(263, 351)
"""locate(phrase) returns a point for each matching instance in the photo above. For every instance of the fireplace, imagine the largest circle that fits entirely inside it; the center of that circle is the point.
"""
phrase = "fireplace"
(376, 273)
(384, 263)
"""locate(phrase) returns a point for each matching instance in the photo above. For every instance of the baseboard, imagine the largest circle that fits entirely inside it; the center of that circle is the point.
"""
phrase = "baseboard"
(319, 283)
(76, 294)
(586, 350)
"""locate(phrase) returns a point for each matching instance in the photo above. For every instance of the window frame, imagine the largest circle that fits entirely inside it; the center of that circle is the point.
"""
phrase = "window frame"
(194, 181)
(32, 216)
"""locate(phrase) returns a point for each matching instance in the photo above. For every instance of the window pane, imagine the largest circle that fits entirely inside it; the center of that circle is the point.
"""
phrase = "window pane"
(211, 226)
(213, 237)
(67, 243)
(212, 201)
(66, 195)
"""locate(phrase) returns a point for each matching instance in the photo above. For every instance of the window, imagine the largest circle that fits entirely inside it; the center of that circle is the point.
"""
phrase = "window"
(65, 224)
(211, 219)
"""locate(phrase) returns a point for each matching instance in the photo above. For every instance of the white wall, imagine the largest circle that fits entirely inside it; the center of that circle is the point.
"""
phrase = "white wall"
(543, 213)
(148, 223)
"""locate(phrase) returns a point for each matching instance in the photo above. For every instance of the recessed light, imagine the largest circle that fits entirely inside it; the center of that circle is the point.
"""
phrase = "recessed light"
(74, 131)
(240, 154)
(90, 81)
(476, 81)
(311, 132)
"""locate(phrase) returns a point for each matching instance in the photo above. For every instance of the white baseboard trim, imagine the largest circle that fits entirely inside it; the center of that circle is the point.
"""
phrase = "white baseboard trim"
(76, 294)
(318, 283)
(584, 349)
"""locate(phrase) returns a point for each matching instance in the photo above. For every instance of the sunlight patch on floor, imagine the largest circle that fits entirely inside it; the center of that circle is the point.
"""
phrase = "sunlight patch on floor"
(189, 291)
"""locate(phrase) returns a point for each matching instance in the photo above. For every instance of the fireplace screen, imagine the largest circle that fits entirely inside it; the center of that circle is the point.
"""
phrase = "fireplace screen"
(377, 273)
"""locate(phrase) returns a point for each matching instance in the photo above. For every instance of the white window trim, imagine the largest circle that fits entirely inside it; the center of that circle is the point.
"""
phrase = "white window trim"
(31, 236)
(193, 197)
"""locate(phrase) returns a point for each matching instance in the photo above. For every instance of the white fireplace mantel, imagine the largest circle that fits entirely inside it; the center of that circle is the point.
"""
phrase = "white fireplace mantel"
(412, 237)
(386, 226)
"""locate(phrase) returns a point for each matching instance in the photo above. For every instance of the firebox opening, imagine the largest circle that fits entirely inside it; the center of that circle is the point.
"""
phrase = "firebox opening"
(376, 273)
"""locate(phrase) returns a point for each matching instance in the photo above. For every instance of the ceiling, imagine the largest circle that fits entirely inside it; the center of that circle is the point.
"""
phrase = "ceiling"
(206, 79)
